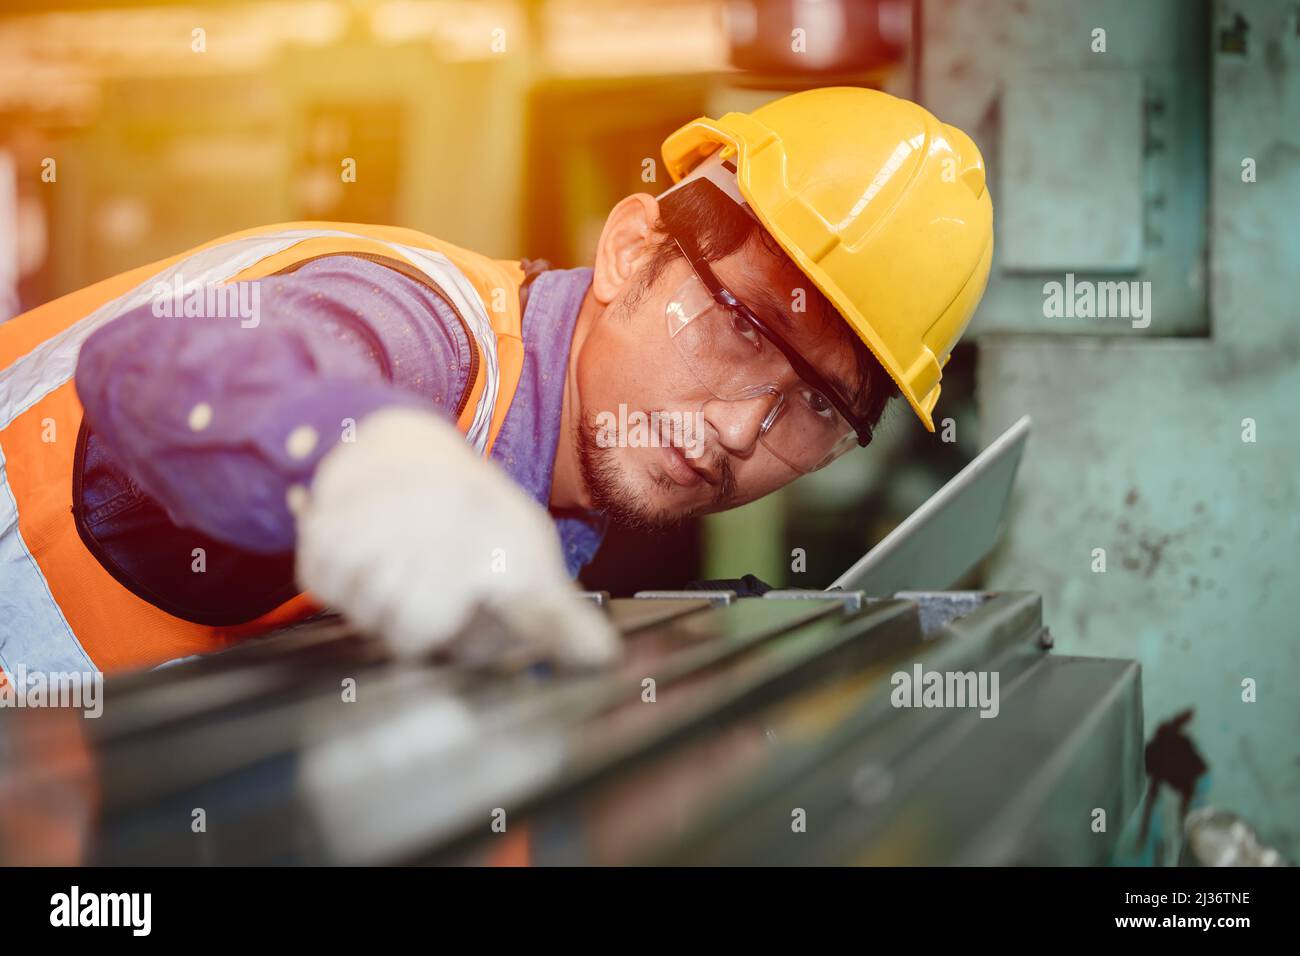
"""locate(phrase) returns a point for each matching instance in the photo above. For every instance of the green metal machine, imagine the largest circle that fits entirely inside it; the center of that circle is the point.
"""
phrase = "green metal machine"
(771, 730)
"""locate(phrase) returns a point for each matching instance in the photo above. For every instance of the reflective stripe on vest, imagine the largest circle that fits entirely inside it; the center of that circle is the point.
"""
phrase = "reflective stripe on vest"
(33, 629)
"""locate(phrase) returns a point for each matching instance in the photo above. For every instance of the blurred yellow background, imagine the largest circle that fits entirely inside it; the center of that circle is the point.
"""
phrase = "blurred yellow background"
(506, 127)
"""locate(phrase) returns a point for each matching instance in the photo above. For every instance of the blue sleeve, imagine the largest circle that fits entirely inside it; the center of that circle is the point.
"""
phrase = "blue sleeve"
(217, 418)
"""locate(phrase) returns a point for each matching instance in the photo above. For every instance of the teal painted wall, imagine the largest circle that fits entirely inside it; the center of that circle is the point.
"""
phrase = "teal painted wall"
(1138, 440)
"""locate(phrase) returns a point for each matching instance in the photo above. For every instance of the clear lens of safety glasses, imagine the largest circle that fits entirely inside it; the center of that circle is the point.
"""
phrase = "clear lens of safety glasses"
(733, 360)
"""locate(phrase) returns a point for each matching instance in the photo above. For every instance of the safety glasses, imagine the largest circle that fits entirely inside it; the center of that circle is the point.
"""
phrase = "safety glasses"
(737, 356)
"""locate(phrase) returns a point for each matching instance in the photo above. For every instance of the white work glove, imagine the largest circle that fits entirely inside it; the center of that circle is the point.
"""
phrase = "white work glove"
(407, 531)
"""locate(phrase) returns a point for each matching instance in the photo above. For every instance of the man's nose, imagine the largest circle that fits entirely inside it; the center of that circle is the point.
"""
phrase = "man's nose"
(738, 423)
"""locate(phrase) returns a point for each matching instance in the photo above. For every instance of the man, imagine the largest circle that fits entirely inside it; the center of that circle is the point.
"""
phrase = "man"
(384, 420)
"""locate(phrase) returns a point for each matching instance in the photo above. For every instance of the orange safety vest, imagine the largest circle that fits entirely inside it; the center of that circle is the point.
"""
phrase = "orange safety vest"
(60, 609)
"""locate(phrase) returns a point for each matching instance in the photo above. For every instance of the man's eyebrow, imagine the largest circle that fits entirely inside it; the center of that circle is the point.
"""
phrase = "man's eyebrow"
(770, 306)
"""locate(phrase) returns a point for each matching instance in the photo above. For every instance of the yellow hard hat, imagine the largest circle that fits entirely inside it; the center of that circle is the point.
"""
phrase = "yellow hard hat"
(882, 206)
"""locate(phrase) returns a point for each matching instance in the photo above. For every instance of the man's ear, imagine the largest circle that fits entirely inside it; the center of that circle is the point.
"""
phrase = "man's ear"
(623, 243)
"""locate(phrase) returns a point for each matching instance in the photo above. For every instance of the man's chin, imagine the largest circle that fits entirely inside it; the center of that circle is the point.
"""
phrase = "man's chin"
(639, 495)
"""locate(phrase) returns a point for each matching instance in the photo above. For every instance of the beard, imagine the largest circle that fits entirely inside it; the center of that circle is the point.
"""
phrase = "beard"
(613, 493)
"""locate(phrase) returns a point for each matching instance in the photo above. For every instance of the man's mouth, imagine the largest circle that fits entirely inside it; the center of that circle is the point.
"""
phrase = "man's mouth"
(682, 471)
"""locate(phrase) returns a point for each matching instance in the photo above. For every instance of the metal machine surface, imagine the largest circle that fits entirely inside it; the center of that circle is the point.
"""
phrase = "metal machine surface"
(756, 730)
(945, 537)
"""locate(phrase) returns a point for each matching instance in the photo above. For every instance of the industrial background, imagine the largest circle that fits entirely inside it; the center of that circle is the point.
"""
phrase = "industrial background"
(1167, 153)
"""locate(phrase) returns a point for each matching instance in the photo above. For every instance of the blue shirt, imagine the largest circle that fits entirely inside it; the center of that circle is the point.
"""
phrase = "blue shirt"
(336, 340)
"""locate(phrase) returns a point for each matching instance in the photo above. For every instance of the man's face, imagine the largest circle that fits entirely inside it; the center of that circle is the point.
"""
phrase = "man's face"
(630, 360)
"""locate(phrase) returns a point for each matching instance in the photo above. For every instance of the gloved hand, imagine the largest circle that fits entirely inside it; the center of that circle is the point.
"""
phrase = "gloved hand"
(407, 531)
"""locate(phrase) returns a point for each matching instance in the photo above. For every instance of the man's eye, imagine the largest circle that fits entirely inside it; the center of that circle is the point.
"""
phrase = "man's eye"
(745, 329)
(818, 403)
